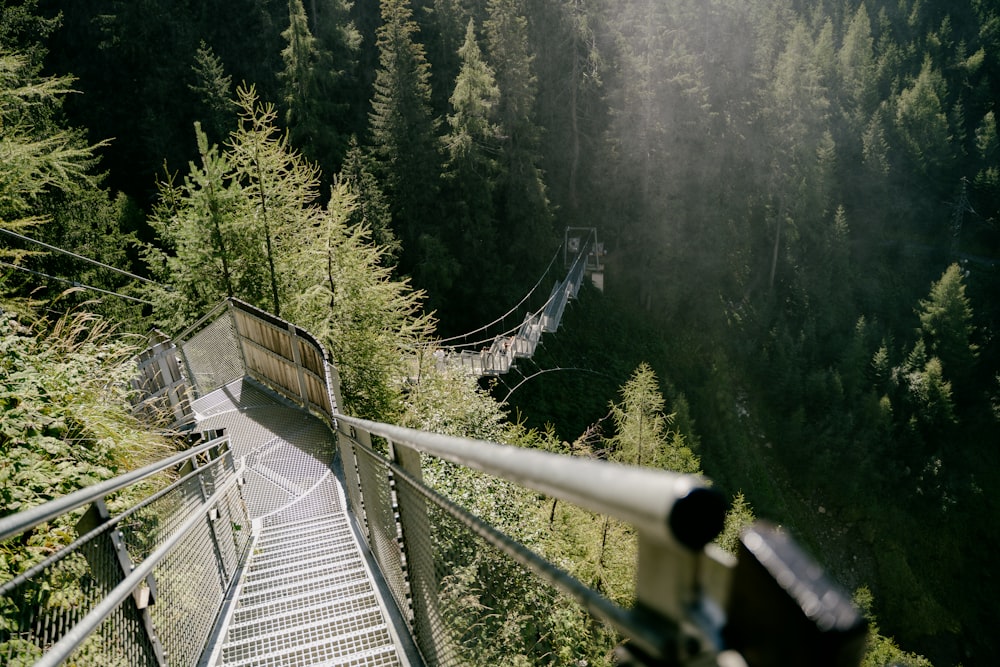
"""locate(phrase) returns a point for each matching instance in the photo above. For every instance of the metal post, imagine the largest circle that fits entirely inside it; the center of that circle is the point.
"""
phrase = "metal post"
(213, 515)
(297, 358)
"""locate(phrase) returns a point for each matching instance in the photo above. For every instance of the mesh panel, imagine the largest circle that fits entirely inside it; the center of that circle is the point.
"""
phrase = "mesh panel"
(382, 526)
(213, 356)
(42, 605)
(353, 488)
(189, 594)
(474, 605)
(39, 609)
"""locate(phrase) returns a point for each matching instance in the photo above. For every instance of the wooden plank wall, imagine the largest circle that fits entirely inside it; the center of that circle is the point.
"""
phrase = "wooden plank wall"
(281, 357)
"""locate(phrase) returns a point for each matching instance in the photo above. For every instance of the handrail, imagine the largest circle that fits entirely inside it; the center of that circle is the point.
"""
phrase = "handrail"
(21, 521)
(89, 623)
(672, 507)
(623, 620)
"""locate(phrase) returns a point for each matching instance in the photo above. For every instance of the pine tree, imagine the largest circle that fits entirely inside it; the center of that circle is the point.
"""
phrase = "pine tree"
(470, 173)
(522, 203)
(856, 63)
(403, 130)
(644, 434)
(227, 228)
(921, 121)
(313, 81)
(340, 288)
(946, 325)
(372, 209)
(214, 89)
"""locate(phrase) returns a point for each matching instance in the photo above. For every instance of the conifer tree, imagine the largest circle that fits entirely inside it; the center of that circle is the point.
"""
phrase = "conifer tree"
(921, 121)
(522, 202)
(644, 434)
(226, 229)
(856, 63)
(946, 324)
(279, 185)
(214, 89)
(470, 172)
(340, 288)
(371, 209)
(313, 79)
(403, 130)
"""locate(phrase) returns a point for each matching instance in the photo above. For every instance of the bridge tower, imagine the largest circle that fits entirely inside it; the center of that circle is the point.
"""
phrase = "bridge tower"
(574, 239)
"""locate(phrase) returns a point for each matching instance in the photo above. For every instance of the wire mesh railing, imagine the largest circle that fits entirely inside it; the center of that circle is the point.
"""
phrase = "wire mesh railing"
(141, 583)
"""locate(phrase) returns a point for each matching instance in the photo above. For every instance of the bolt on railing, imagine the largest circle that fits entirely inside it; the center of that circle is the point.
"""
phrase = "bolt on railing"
(142, 586)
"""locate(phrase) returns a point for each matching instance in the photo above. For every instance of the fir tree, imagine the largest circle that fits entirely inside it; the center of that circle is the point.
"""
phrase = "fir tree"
(403, 130)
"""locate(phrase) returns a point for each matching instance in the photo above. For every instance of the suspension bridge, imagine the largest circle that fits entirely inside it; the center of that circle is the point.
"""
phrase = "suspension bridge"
(290, 533)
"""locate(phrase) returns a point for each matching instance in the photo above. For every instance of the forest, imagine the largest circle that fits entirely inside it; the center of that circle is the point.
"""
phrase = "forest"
(799, 204)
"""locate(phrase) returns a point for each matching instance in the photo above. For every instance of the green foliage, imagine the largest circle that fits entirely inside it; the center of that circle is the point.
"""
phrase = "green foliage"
(643, 431)
(882, 651)
(340, 289)
(214, 89)
(739, 516)
(403, 130)
(36, 155)
(946, 324)
(763, 175)
(64, 394)
(521, 200)
(227, 228)
(312, 81)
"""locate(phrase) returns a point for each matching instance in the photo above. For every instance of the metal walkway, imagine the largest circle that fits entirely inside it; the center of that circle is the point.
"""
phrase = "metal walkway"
(307, 595)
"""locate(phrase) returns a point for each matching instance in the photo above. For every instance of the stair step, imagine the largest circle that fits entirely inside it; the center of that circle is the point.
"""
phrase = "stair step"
(291, 541)
(322, 654)
(314, 526)
(303, 550)
(293, 562)
(340, 639)
(342, 611)
(300, 583)
(347, 593)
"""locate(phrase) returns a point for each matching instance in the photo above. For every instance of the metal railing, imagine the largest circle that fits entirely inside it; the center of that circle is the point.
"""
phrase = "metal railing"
(140, 586)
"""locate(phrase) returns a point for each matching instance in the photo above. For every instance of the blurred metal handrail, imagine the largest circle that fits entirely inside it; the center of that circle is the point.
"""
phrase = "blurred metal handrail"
(656, 502)
(17, 523)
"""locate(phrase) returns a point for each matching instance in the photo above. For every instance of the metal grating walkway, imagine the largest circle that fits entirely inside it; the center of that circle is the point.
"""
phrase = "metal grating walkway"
(307, 595)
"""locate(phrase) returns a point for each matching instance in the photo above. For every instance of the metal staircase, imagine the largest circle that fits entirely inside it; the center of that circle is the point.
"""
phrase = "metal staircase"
(307, 595)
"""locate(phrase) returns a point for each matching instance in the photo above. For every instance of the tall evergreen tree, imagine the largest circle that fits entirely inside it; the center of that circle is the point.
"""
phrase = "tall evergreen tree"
(522, 203)
(471, 169)
(313, 81)
(214, 89)
(403, 136)
(946, 324)
(340, 288)
(233, 217)
(644, 434)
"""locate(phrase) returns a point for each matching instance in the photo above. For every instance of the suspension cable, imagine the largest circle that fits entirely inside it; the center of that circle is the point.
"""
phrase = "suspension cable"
(509, 312)
(81, 257)
(75, 283)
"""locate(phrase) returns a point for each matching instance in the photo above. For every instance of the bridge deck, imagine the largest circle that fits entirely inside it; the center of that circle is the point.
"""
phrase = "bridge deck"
(308, 594)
